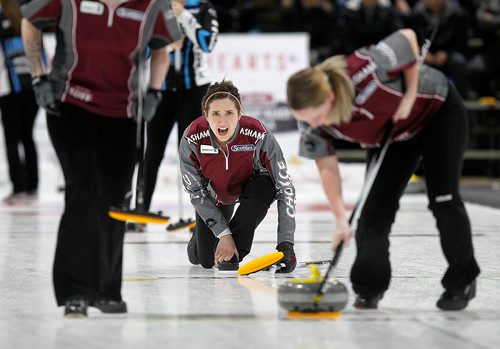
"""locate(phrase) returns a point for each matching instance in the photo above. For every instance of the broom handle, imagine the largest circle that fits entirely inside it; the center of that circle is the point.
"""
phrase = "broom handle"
(320, 292)
(427, 43)
(177, 67)
(373, 169)
(141, 170)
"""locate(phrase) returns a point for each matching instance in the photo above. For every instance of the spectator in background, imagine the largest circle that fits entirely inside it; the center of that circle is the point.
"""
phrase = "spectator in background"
(448, 47)
(318, 18)
(404, 9)
(368, 22)
(228, 13)
(18, 107)
(484, 68)
(261, 16)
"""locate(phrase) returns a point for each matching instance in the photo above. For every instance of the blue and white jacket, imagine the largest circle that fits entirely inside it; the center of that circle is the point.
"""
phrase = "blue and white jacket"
(198, 22)
(15, 75)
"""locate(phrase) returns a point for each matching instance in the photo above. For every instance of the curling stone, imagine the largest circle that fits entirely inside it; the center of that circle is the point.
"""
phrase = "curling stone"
(297, 295)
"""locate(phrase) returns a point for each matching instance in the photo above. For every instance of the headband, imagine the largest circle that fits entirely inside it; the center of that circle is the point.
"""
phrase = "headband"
(219, 92)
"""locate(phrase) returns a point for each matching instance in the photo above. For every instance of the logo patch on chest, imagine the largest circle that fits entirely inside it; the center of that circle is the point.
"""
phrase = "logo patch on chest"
(92, 8)
(208, 149)
(243, 147)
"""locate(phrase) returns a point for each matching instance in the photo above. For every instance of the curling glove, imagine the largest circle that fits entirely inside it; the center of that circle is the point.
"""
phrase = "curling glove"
(151, 101)
(44, 95)
(289, 260)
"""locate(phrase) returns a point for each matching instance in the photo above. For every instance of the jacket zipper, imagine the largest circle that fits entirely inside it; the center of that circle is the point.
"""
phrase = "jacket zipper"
(111, 11)
(227, 158)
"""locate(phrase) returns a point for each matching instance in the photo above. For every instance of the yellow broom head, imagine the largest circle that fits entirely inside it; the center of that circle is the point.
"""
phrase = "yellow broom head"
(260, 263)
(137, 216)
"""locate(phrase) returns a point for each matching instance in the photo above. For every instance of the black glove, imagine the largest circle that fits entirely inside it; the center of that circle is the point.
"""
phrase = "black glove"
(44, 94)
(289, 261)
(150, 103)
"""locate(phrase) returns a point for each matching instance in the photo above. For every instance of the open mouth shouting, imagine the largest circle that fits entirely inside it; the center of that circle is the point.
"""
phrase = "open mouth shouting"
(222, 131)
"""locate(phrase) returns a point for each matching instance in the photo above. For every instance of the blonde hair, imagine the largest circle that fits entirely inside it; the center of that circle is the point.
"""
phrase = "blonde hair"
(310, 87)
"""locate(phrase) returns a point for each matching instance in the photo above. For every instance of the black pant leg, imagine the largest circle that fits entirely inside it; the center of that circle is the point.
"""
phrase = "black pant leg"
(12, 121)
(29, 112)
(97, 160)
(190, 108)
(371, 271)
(158, 132)
(257, 197)
(206, 241)
(76, 261)
(444, 141)
(116, 159)
(183, 107)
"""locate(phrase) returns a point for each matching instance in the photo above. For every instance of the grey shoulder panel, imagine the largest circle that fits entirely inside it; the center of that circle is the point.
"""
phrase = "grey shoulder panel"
(64, 57)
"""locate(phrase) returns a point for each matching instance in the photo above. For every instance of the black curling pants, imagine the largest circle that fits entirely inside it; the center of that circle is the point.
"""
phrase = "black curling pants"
(19, 111)
(441, 143)
(257, 197)
(97, 156)
(183, 107)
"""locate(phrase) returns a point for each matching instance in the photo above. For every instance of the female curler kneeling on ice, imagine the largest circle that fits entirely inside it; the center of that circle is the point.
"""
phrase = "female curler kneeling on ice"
(228, 158)
(354, 98)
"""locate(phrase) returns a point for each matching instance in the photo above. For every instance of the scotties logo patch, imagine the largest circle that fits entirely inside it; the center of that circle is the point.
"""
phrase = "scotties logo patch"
(243, 147)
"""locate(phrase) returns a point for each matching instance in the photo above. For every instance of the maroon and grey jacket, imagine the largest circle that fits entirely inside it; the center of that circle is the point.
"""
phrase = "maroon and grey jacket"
(93, 67)
(376, 72)
(214, 176)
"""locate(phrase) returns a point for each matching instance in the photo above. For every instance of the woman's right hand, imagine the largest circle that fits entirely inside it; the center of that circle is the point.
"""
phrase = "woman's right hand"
(226, 249)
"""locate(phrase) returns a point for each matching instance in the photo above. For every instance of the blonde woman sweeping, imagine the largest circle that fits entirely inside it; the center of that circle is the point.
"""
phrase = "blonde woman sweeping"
(354, 98)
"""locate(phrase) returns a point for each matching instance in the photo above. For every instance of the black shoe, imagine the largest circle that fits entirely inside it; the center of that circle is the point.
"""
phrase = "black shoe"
(109, 306)
(191, 250)
(457, 300)
(232, 265)
(367, 302)
(76, 307)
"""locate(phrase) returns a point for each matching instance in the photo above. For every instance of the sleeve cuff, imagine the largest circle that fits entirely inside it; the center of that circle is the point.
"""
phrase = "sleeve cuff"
(224, 233)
